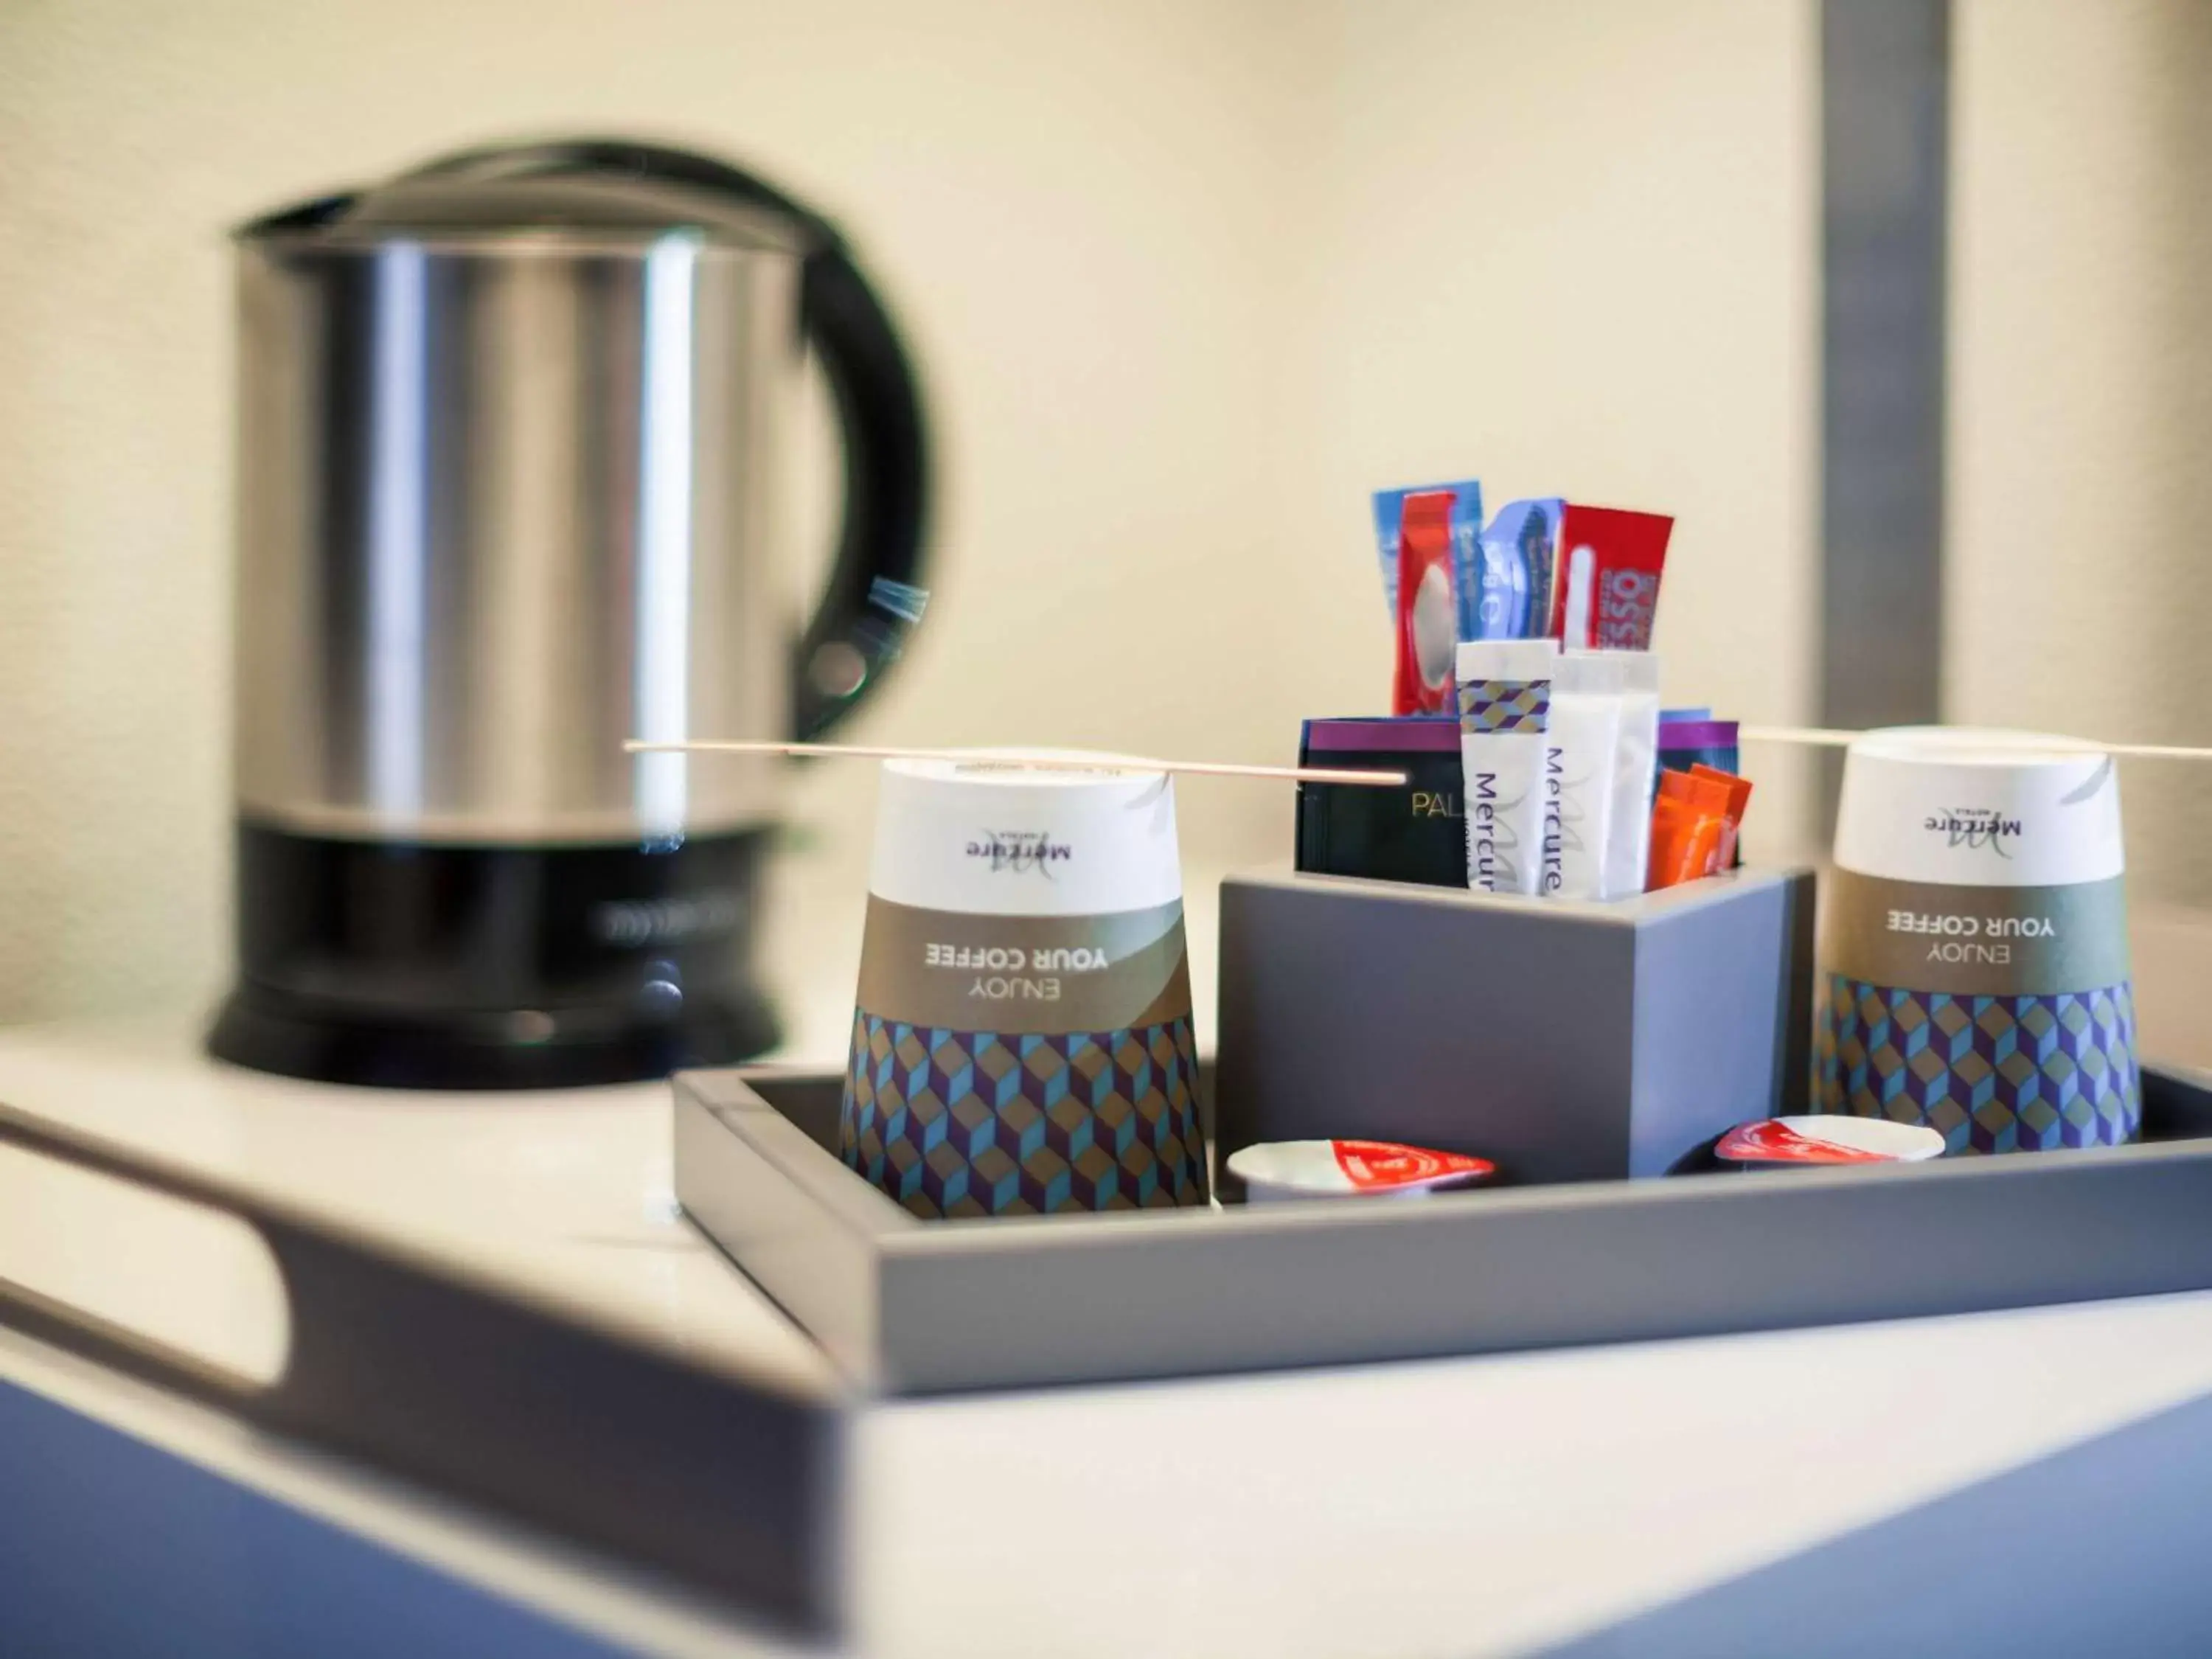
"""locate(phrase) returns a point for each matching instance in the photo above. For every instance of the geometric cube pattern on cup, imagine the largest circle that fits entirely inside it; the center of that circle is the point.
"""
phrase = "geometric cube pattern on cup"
(1990, 1073)
(969, 1123)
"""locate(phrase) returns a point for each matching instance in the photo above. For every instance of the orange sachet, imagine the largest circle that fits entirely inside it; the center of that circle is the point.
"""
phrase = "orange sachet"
(1690, 827)
(1738, 796)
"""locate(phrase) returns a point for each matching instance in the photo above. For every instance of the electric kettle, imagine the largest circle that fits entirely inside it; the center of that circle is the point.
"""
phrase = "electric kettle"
(508, 435)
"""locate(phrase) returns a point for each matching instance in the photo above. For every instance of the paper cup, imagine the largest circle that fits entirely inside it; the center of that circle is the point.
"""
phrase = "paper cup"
(1975, 945)
(1022, 1037)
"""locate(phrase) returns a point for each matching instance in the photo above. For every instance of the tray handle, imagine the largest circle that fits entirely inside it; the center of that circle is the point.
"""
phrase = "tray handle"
(727, 1484)
(91, 1336)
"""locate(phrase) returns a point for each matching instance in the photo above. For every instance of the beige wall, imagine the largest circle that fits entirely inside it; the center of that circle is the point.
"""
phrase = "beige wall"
(2081, 421)
(1571, 249)
(1188, 279)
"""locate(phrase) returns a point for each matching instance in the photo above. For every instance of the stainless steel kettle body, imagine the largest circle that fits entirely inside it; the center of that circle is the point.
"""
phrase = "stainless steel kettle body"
(508, 450)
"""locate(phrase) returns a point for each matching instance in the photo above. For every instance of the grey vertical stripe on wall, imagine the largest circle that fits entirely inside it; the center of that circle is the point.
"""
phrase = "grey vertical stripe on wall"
(1885, 97)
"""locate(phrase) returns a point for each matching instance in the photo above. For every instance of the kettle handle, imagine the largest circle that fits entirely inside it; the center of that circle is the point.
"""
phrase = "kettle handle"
(872, 598)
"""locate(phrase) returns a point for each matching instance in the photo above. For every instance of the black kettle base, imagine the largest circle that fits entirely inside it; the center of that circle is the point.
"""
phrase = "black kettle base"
(398, 965)
(530, 1049)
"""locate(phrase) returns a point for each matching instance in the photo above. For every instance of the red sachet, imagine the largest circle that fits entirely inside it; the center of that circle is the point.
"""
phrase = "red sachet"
(1428, 607)
(1607, 591)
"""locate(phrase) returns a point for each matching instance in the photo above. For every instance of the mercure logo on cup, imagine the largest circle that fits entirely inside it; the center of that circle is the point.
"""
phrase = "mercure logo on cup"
(1976, 956)
(1019, 852)
(1021, 1033)
(1974, 826)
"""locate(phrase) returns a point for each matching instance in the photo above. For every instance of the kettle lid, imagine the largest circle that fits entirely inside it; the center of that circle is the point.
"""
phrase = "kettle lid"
(595, 188)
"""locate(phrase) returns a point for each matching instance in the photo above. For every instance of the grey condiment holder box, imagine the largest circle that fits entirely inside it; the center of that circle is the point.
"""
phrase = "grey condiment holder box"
(1563, 1040)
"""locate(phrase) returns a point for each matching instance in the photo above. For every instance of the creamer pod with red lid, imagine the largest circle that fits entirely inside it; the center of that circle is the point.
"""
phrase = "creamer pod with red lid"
(1784, 1142)
(1350, 1168)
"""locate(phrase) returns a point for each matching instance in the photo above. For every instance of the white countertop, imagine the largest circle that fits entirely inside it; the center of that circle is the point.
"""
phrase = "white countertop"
(1460, 1506)
(568, 1195)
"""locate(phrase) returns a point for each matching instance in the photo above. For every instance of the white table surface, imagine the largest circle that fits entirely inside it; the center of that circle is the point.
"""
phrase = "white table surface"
(1457, 1506)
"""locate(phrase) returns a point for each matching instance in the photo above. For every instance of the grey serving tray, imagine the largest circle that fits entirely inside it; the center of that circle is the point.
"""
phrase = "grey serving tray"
(906, 1306)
